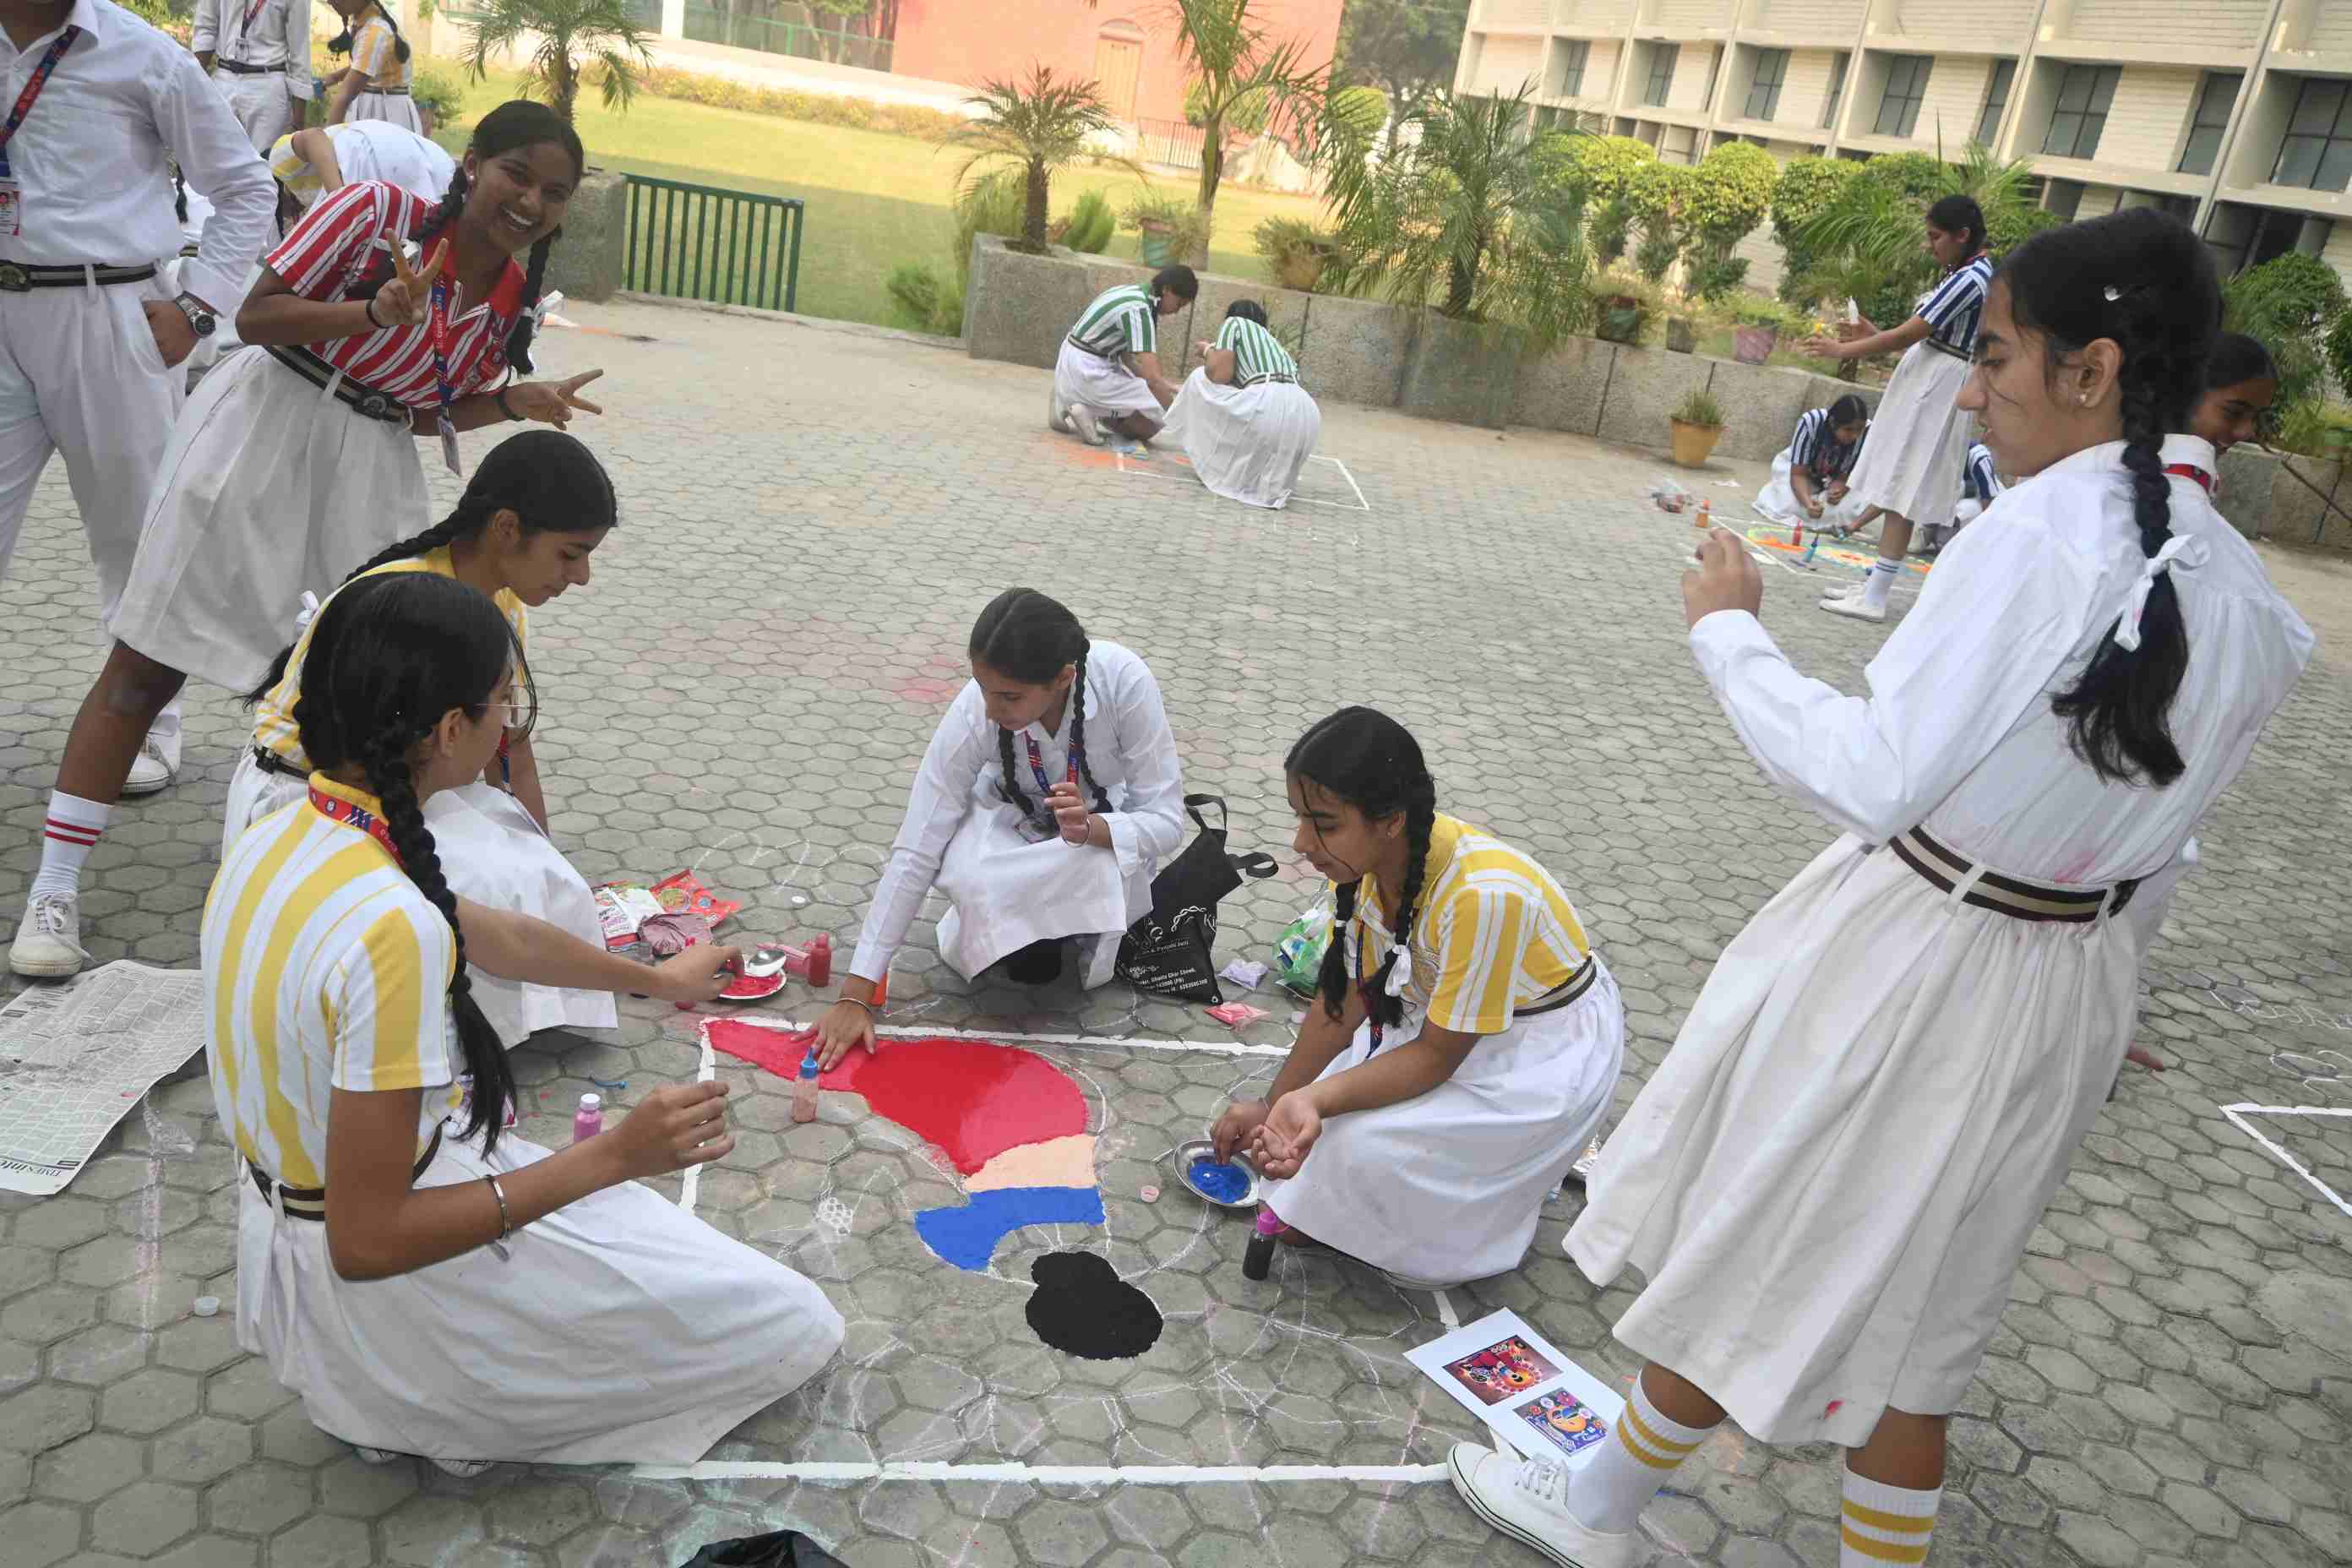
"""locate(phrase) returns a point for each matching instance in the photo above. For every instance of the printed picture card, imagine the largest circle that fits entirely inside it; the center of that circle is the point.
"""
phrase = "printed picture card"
(1537, 1401)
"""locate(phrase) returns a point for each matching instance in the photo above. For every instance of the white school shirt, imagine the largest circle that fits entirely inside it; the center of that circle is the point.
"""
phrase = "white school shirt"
(275, 33)
(93, 159)
(368, 150)
(1956, 731)
(1129, 749)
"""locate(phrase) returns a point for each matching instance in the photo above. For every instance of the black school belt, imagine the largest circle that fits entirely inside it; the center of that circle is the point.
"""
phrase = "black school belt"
(238, 68)
(1112, 356)
(22, 277)
(1954, 350)
(269, 762)
(310, 1203)
(1275, 376)
(2011, 896)
(358, 397)
(384, 91)
(1567, 991)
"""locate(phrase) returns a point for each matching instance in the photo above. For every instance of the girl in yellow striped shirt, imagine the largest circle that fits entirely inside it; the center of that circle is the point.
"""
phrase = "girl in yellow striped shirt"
(1453, 1073)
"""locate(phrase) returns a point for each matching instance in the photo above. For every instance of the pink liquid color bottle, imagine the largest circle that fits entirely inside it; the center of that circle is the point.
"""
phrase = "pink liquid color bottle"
(589, 1119)
(1259, 1258)
(804, 1089)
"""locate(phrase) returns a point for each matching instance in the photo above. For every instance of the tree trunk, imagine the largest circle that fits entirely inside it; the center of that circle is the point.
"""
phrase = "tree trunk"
(1212, 169)
(1033, 215)
(1460, 285)
(566, 81)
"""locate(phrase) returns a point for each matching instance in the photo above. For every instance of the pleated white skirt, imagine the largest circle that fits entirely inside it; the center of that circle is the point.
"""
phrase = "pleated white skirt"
(493, 853)
(1246, 442)
(397, 108)
(1005, 892)
(1109, 388)
(1915, 461)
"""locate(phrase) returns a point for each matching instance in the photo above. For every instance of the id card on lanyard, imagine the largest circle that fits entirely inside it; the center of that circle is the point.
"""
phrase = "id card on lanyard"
(440, 331)
(12, 195)
(1045, 818)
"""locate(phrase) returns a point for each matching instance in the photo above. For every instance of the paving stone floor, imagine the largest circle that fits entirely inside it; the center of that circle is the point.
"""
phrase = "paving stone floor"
(812, 518)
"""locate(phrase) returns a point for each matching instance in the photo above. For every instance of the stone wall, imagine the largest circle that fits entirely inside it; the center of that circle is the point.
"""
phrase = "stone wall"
(590, 261)
(1018, 307)
(2265, 500)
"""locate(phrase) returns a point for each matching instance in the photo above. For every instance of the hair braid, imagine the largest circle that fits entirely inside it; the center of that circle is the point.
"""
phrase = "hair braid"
(389, 780)
(526, 325)
(1079, 729)
(1004, 764)
(1331, 980)
(1419, 821)
(456, 526)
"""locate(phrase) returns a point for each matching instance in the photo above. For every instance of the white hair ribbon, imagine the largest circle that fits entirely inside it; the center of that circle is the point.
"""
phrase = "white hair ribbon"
(2183, 550)
(308, 613)
(1401, 976)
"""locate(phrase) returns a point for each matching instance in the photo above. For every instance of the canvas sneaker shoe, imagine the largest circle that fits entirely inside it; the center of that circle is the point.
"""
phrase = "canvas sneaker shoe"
(1855, 607)
(1056, 416)
(158, 762)
(48, 939)
(1527, 1500)
(1084, 418)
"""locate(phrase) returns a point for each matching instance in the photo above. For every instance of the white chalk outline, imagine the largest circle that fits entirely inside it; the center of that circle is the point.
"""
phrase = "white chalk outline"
(1009, 1036)
(843, 1472)
(689, 1187)
(2237, 1115)
(1149, 471)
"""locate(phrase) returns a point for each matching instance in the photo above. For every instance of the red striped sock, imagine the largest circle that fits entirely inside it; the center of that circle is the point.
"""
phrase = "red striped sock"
(72, 831)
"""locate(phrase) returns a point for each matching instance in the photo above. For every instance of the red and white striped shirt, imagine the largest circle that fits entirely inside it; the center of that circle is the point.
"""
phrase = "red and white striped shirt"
(337, 244)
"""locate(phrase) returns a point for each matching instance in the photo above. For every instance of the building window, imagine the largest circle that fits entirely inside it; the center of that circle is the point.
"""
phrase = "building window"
(1837, 89)
(1906, 85)
(2214, 102)
(2084, 94)
(1764, 91)
(1567, 59)
(1996, 104)
(2243, 236)
(2064, 197)
(2318, 151)
(1661, 73)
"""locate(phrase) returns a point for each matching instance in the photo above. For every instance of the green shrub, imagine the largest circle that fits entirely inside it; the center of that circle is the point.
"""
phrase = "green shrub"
(1756, 310)
(1729, 193)
(2338, 345)
(1918, 175)
(1714, 272)
(813, 108)
(1189, 230)
(2314, 428)
(1295, 250)
(1600, 168)
(438, 94)
(923, 302)
(1699, 407)
(1362, 110)
(1612, 231)
(993, 204)
(1660, 249)
(1805, 188)
(2288, 304)
(1090, 224)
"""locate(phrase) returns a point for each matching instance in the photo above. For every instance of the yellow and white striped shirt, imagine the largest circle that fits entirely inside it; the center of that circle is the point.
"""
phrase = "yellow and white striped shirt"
(325, 968)
(273, 716)
(1492, 932)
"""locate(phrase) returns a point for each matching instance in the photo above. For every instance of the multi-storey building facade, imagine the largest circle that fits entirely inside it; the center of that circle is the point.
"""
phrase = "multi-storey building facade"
(2235, 114)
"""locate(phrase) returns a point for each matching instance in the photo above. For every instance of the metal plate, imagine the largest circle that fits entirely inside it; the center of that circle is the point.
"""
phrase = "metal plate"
(1181, 1166)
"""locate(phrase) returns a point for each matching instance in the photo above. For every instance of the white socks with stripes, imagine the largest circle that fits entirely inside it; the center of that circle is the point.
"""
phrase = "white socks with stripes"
(1880, 582)
(1882, 1524)
(66, 840)
(1609, 1493)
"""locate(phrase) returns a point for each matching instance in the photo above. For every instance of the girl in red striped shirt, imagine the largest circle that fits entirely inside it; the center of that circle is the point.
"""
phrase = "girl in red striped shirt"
(296, 458)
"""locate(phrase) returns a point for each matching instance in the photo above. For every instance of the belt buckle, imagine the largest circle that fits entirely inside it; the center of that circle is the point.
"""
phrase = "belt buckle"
(375, 404)
(14, 279)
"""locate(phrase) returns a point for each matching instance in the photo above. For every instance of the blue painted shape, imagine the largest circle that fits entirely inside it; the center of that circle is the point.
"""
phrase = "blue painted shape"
(967, 1237)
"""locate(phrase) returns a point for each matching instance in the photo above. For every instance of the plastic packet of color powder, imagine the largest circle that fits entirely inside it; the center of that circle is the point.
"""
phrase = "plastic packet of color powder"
(1239, 1014)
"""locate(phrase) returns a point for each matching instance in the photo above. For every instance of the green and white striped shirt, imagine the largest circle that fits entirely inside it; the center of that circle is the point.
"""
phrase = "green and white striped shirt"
(1120, 321)
(1257, 353)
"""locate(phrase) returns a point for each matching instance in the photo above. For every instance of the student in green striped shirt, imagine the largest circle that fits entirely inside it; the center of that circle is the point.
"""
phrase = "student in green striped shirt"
(1107, 373)
(1243, 418)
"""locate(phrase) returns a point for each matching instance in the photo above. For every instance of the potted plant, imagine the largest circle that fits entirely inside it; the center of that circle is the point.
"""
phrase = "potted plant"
(1755, 330)
(1682, 336)
(1624, 307)
(1698, 423)
(1170, 227)
(1295, 252)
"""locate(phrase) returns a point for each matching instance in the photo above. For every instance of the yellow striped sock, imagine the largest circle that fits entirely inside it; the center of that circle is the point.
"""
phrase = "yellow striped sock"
(1609, 1493)
(1882, 1524)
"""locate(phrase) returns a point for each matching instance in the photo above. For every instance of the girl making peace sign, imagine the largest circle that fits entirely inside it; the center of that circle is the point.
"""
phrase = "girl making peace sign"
(296, 458)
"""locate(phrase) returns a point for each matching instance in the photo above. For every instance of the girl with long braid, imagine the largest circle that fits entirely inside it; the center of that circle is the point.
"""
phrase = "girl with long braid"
(523, 533)
(425, 1281)
(375, 85)
(1468, 1038)
(1828, 1183)
(1047, 799)
(296, 456)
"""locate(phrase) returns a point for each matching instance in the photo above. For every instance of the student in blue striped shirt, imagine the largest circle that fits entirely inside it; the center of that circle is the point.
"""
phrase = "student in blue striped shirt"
(1809, 477)
(1910, 471)
(1243, 420)
(1107, 374)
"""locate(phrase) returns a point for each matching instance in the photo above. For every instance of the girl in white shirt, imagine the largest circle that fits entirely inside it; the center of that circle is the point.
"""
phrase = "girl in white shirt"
(1046, 801)
(1828, 1183)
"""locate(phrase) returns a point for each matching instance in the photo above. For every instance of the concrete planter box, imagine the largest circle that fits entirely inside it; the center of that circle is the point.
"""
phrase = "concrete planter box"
(1285, 313)
(1355, 350)
(1019, 307)
(1460, 372)
(2296, 515)
(1760, 406)
(1643, 391)
(1565, 387)
(591, 258)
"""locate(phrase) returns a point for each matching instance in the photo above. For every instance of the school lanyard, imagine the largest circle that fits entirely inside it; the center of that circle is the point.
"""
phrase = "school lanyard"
(2192, 471)
(440, 334)
(250, 12)
(31, 95)
(1037, 762)
(358, 816)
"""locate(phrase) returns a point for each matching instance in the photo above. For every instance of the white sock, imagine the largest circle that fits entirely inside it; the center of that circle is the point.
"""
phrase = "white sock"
(168, 721)
(66, 840)
(1881, 580)
(1883, 1524)
(1609, 1493)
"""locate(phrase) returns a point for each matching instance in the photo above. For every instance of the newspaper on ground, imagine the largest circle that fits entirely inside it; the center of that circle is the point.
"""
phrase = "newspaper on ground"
(75, 1058)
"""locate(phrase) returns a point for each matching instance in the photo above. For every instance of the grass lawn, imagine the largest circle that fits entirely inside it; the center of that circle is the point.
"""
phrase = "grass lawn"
(873, 200)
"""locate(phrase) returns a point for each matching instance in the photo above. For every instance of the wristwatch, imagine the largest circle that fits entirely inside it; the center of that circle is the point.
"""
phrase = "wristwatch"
(201, 319)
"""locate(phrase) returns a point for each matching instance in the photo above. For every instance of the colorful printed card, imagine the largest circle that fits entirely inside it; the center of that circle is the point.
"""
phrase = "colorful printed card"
(1537, 1401)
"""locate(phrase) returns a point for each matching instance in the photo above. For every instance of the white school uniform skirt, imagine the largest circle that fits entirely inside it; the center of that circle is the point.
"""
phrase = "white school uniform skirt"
(621, 1329)
(1246, 442)
(1830, 1181)
(493, 853)
(1777, 500)
(1447, 1187)
(1915, 462)
(1005, 892)
(1105, 385)
(397, 108)
(270, 489)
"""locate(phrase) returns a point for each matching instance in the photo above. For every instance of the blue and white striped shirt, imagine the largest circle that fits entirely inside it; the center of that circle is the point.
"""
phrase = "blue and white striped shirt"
(1956, 305)
(1982, 483)
(1814, 450)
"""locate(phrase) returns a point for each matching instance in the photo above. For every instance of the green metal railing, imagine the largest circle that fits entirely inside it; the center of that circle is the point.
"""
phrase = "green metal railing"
(731, 248)
(743, 30)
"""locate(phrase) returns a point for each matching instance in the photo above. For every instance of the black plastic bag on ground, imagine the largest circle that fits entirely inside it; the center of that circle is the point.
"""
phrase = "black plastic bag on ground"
(779, 1548)
(1172, 951)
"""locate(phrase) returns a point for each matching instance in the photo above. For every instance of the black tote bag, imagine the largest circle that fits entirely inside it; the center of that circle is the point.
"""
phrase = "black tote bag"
(1171, 951)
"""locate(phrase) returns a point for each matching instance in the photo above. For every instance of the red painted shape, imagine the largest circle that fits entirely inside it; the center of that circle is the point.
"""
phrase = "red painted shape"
(972, 1099)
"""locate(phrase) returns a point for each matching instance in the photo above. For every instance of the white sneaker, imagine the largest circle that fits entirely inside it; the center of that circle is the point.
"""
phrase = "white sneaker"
(464, 1469)
(1857, 608)
(1084, 418)
(159, 756)
(48, 939)
(376, 1455)
(1527, 1500)
(1056, 416)
(1844, 591)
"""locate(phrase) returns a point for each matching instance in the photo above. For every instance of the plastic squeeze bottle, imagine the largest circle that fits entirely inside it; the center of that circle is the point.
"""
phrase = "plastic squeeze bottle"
(589, 1119)
(804, 1089)
(1260, 1255)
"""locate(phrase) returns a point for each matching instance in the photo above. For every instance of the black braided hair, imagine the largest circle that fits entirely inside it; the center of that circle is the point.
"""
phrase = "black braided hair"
(1030, 637)
(548, 479)
(437, 218)
(388, 660)
(1362, 756)
(526, 325)
(2142, 281)
(342, 42)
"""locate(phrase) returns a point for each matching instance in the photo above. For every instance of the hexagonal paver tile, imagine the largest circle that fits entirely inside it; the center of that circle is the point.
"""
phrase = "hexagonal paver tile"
(147, 1401)
(40, 1533)
(42, 1417)
(323, 1541)
(202, 1450)
(89, 1467)
(259, 1498)
(142, 1518)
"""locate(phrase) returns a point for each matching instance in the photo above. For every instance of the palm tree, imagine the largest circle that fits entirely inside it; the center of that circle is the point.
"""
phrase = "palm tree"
(565, 38)
(1039, 125)
(1471, 217)
(1242, 78)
